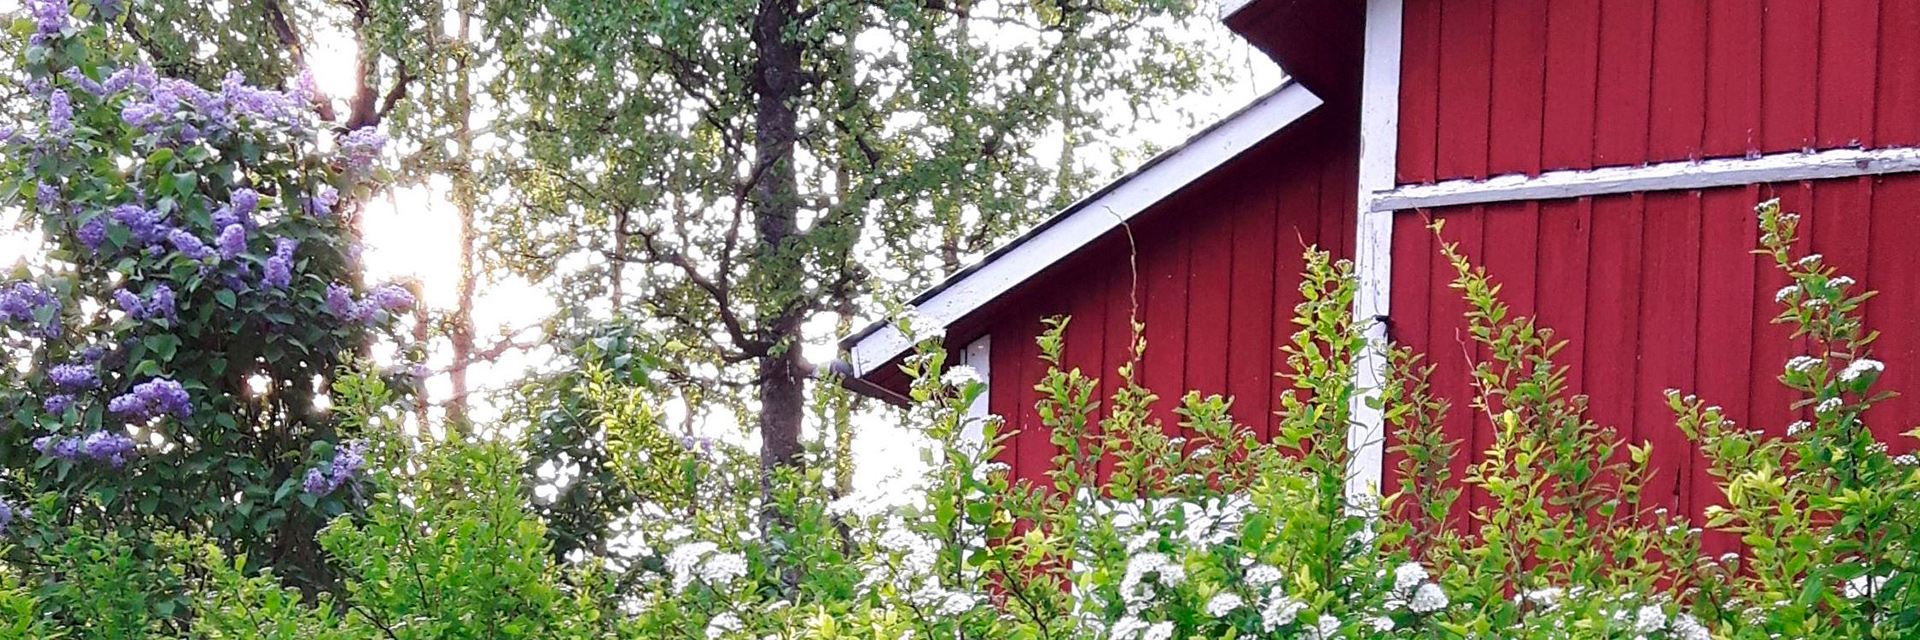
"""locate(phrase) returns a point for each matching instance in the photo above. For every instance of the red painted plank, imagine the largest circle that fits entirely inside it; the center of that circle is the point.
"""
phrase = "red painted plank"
(1612, 337)
(1512, 241)
(1003, 387)
(1669, 313)
(1789, 63)
(1209, 287)
(1897, 116)
(1036, 446)
(1298, 219)
(1565, 234)
(1164, 267)
(1727, 297)
(1086, 330)
(1680, 37)
(1626, 58)
(1520, 72)
(1123, 291)
(1848, 31)
(1895, 273)
(1419, 91)
(1733, 85)
(1573, 51)
(1409, 312)
(1839, 217)
(1250, 334)
(1466, 79)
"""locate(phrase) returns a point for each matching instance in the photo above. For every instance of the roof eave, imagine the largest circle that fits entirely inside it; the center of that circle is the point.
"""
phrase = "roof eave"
(1077, 226)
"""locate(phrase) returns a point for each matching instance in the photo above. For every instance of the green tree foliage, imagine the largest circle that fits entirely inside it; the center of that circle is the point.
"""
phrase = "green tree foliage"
(723, 172)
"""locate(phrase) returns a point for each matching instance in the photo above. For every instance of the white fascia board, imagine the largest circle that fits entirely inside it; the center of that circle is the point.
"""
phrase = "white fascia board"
(1666, 176)
(1230, 7)
(1373, 246)
(1089, 220)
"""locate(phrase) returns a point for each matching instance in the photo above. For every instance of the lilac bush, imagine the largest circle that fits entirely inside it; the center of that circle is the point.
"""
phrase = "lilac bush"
(199, 240)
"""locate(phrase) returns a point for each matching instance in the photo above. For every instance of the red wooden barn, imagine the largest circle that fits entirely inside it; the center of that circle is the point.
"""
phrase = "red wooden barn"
(1601, 157)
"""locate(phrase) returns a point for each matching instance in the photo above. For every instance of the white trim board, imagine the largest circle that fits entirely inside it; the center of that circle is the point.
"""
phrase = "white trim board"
(1666, 176)
(978, 355)
(1230, 7)
(1089, 220)
(1373, 246)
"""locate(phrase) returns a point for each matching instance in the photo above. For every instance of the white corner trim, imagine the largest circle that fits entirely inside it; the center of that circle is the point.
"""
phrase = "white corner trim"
(1373, 244)
(1089, 220)
(1666, 176)
(1230, 7)
(978, 355)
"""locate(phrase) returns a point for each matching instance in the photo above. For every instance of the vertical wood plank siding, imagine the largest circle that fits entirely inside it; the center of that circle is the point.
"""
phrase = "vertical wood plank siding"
(1492, 87)
(1218, 269)
(1658, 291)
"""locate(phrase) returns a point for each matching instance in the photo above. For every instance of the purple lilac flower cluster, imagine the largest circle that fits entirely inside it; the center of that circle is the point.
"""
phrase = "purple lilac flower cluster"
(8, 514)
(73, 377)
(279, 272)
(100, 446)
(21, 302)
(50, 18)
(388, 297)
(349, 463)
(158, 305)
(155, 397)
(361, 148)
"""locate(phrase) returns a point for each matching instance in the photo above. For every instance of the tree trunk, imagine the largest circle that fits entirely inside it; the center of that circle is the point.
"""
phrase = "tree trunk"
(776, 205)
(465, 200)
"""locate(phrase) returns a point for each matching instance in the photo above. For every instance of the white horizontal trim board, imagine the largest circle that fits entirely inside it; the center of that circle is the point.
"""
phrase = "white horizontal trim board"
(1089, 220)
(1666, 176)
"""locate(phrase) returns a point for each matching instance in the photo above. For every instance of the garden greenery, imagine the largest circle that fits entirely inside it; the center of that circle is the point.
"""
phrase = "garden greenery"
(199, 240)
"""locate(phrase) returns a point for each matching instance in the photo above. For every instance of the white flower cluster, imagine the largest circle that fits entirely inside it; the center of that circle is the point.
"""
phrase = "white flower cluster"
(721, 625)
(959, 376)
(699, 560)
(1861, 367)
(1132, 628)
(1802, 364)
(1414, 589)
(1224, 603)
(1135, 586)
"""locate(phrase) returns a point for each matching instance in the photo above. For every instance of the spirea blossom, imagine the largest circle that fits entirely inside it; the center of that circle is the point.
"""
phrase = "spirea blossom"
(1802, 364)
(1828, 405)
(1224, 603)
(723, 568)
(1280, 612)
(1862, 367)
(1408, 576)
(960, 376)
(1263, 575)
(721, 625)
(1428, 599)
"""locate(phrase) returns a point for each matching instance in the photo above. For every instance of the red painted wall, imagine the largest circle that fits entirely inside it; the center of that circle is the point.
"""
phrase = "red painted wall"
(1218, 272)
(1658, 291)
(1492, 87)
